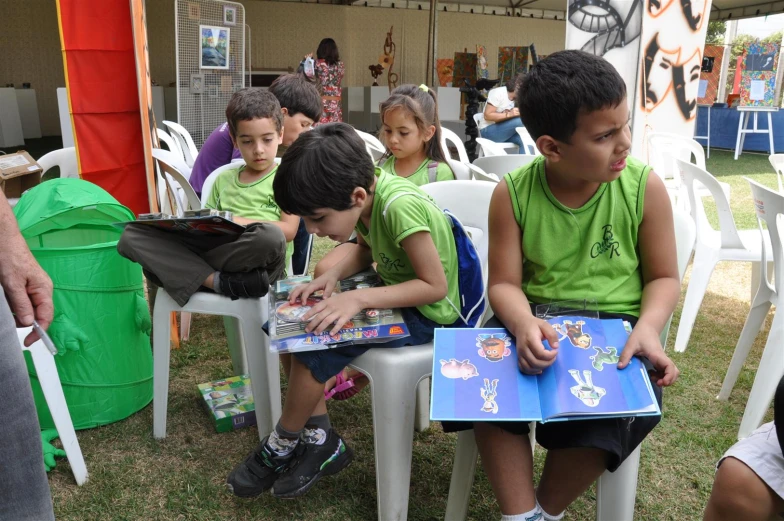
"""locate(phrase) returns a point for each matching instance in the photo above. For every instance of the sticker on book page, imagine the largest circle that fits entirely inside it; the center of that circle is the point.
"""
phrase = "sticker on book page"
(488, 393)
(574, 332)
(495, 347)
(585, 390)
(604, 357)
(454, 369)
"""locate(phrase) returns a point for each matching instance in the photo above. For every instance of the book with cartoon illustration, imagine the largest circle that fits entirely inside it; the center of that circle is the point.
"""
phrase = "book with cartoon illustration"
(229, 402)
(369, 326)
(476, 377)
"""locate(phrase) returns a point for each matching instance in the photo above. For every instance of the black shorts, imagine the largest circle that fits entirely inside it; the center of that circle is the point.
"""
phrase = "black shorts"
(617, 436)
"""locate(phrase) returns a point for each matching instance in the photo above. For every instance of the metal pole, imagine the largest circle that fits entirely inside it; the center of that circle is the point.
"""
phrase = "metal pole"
(431, 35)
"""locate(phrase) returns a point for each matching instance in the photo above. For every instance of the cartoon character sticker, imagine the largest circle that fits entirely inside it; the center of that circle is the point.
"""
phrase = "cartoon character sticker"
(488, 393)
(585, 390)
(604, 357)
(454, 369)
(494, 347)
(574, 331)
(294, 312)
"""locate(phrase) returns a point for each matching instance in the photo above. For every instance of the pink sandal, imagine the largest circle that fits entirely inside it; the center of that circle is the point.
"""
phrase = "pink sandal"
(343, 390)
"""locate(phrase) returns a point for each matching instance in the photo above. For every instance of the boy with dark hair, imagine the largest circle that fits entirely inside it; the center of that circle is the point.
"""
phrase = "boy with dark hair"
(329, 179)
(240, 266)
(581, 221)
(301, 105)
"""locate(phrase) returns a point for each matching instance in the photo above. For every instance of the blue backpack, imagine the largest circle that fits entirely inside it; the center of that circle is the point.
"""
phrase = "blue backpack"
(469, 268)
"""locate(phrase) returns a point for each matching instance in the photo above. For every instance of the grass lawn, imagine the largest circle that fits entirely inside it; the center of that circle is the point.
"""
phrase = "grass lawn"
(134, 477)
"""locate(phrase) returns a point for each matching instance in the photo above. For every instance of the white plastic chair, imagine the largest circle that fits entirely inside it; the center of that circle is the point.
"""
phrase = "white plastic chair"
(529, 145)
(189, 150)
(375, 148)
(43, 360)
(777, 162)
(769, 206)
(64, 159)
(447, 137)
(479, 119)
(172, 143)
(615, 491)
(491, 148)
(170, 164)
(395, 374)
(461, 170)
(502, 165)
(477, 174)
(712, 246)
(663, 149)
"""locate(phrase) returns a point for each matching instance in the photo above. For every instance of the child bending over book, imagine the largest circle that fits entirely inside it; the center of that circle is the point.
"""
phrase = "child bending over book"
(234, 266)
(583, 220)
(328, 178)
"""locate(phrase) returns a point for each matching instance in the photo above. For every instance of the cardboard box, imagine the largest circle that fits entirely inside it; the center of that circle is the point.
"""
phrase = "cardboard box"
(230, 403)
(18, 172)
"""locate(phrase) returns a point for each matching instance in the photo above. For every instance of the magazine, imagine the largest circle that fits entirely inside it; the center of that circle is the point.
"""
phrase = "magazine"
(208, 225)
(476, 377)
(287, 330)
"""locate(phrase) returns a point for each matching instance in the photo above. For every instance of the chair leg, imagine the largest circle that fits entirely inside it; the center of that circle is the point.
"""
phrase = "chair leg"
(55, 400)
(756, 281)
(264, 372)
(422, 418)
(771, 368)
(237, 347)
(701, 271)
(161, 332)
(463, 470)
(617, 491)
(750, 331)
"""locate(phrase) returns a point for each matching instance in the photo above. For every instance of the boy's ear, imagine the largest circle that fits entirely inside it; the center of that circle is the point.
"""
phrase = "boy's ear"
(280, 137)
(285, 112)
(359, 196)
(549, 148)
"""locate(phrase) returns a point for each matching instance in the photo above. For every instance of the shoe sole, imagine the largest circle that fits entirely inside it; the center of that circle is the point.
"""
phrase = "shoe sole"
(343, 461)
(244, 494)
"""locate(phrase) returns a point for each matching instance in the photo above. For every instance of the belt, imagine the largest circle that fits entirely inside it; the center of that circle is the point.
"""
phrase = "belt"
(331, 98)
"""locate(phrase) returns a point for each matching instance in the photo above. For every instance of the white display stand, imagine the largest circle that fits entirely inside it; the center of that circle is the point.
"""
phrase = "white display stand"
(10, 123)
(169, 106)
(28, 113)
(353, 105)
(373, 98)
(743, 124)
(448, 103)
(158, 105)
(706, 137)
(66, 129)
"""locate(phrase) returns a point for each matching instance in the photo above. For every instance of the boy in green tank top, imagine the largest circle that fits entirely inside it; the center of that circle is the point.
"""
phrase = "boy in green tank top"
(328, 178)
(582, 221)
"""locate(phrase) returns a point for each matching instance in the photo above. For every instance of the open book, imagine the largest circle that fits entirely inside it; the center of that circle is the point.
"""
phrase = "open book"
(369, 326)
(476, 377)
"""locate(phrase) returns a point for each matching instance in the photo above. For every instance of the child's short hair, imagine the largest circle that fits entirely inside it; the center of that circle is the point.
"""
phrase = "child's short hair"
(253, 103)
(297, 95)
(420, 102)
(321, 169)
(561, 86)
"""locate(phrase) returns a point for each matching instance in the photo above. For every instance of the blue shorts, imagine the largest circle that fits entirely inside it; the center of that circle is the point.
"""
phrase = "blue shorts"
(327, 363)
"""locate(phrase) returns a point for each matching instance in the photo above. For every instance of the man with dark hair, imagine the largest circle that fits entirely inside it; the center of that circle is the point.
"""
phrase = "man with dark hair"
(501, 117)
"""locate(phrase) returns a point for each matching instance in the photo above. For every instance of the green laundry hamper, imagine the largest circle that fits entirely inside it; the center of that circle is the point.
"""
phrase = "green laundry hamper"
(102, 323)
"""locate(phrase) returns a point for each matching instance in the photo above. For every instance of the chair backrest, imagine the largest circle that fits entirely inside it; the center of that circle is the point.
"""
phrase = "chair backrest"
(461, 170)
(502, 165)
(64, 159)
(529, 145)
(167, 162)
(375, 148)
(477, 174)
(447, 136)
(206, 188)
(479, 119)
(777, 162)
(490, 148)
(171, 143)
(692, 174)
(187, 145)
(665, 147)
(769, 206)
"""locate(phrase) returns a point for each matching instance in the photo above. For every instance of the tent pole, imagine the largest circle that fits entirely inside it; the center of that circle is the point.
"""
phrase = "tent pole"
(432, 36)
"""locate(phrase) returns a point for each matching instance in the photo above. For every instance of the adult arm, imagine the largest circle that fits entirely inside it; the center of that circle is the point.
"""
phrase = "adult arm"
(27, 287)
(491, 113)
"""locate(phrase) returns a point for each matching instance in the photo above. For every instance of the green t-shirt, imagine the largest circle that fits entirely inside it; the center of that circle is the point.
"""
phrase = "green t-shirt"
(583, 253)
(252, 201)
(421, 176)
(396, 217)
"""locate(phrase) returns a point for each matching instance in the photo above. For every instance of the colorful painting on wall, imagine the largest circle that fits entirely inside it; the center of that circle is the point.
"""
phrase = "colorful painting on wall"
(214, 47)
(710, 75)
(481, 62)
(511, 62)
(758, 80)
(444, 67)
(464, 68)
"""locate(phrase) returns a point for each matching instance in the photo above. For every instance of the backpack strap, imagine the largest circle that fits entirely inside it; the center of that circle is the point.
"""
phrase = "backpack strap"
(432, 171)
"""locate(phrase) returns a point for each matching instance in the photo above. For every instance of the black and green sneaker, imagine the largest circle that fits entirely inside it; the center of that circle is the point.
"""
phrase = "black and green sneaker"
(259, 470)
(315, 462)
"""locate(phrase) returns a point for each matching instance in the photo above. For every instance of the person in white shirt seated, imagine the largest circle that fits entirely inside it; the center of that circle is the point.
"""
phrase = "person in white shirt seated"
(501, 115)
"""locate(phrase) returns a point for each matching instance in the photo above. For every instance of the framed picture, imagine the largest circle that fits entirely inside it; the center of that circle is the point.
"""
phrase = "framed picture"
(230, 15)
(214, 47)
(197, 84)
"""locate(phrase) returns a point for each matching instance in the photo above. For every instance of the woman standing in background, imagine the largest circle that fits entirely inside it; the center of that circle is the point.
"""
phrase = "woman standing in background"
(329, 71)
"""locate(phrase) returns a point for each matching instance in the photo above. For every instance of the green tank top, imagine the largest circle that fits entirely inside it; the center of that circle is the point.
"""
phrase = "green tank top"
(583, 253)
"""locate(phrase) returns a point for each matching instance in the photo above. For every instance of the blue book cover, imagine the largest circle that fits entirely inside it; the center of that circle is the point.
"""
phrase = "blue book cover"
(476, 378)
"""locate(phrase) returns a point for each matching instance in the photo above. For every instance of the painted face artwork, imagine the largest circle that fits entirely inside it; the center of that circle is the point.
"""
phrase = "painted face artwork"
(663, 71)
(686, 80)
(616, 23)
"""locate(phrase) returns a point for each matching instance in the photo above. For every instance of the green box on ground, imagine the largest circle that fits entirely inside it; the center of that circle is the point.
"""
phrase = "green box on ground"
(229, 402)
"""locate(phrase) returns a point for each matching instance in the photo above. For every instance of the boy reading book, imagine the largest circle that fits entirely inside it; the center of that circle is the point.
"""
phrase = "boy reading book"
(583, 220)
(234, 266)
(328, 178)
